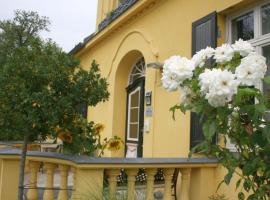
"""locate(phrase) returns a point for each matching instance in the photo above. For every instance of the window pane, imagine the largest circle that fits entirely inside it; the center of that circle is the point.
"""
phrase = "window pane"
(265, 10)
(135, 99)
(138, 70)
(133, 131)
(243, 27)
(134, 115)
(266, 53)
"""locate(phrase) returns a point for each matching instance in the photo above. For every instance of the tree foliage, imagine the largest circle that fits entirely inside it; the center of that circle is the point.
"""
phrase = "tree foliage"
(41, 86)
(41, 89)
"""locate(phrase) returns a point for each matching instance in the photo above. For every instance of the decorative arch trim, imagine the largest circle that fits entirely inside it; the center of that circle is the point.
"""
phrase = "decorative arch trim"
(149, 43)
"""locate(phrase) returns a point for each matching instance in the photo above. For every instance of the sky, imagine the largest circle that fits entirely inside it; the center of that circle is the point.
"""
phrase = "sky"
(71, 20)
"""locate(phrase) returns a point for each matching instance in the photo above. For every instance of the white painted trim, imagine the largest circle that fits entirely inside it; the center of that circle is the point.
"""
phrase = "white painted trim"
(134, 66)
(256, 9)
(128, 121)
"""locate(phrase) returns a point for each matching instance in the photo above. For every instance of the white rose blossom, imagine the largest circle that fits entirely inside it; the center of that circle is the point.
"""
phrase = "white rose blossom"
(206, 79)
(219, 86)
(216, 101)
(201, 56)
(224, 53)
(169, 81)
(251, 70)
(243, 47)
(176, 70)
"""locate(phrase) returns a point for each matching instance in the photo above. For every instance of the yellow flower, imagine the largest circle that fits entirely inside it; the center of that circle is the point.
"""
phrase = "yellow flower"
(99, 128)
(114, 144)
(65, 136)
(35, 105)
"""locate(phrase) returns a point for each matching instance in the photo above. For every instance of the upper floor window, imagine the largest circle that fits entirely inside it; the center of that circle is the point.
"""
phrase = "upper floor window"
(243, 27)
(252, 24)
(265, 17)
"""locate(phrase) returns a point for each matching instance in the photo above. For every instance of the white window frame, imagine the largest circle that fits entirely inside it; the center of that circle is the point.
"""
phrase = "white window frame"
(129, 107)
(258, 41)
(134, 66)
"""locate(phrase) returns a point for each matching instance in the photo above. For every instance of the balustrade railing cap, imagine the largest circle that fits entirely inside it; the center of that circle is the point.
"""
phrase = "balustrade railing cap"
(93, 160)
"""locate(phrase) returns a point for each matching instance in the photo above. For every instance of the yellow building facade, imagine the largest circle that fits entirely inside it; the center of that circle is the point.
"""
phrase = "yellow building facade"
(153, 31)
(132, 40)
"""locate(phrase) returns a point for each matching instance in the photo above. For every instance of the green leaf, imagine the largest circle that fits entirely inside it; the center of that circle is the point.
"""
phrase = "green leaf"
(209, 129)
(258, 139)
(266, 132)
(252, 197)
(245, 94)
(228, 177)
(238, 183)
(219, 185)
(241, 196)
(247, 185)
(267, 79)
(174, 109)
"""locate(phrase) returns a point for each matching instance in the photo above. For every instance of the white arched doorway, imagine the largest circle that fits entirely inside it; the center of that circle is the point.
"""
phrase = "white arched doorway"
(135, 110)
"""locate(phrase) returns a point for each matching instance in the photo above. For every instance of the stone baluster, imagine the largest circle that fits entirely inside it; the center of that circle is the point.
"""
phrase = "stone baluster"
(49, 193)
(112, 174)
(150, 183)
(168, 173)
(185, 183)
(131, 183)
(63, 192)
(74, 171)
(32, 193)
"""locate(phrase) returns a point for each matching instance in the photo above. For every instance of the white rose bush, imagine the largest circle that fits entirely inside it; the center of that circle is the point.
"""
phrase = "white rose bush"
(222, 85)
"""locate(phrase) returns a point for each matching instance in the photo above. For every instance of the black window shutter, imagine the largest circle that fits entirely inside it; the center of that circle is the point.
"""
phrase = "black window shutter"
(204, 33)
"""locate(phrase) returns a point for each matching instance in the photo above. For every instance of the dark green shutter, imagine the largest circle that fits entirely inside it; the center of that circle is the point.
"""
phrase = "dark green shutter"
(204, 33)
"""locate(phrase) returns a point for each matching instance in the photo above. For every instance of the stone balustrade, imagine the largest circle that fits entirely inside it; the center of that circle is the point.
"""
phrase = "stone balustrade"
(93, 176)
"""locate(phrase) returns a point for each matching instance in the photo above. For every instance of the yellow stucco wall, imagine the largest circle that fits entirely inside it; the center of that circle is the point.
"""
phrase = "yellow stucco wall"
(160, 31)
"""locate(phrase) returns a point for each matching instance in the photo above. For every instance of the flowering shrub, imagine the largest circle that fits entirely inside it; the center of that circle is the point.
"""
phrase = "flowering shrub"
(85, 139)
(221, 85)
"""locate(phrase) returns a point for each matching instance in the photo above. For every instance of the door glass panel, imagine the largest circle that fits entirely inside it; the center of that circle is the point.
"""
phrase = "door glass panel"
(266, 53)
(265, 12)
(135, 99)
(133, 131)
(134, 115)
(243, 27)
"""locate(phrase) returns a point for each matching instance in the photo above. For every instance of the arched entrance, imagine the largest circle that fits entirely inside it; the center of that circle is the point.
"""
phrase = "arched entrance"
(135, 110)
